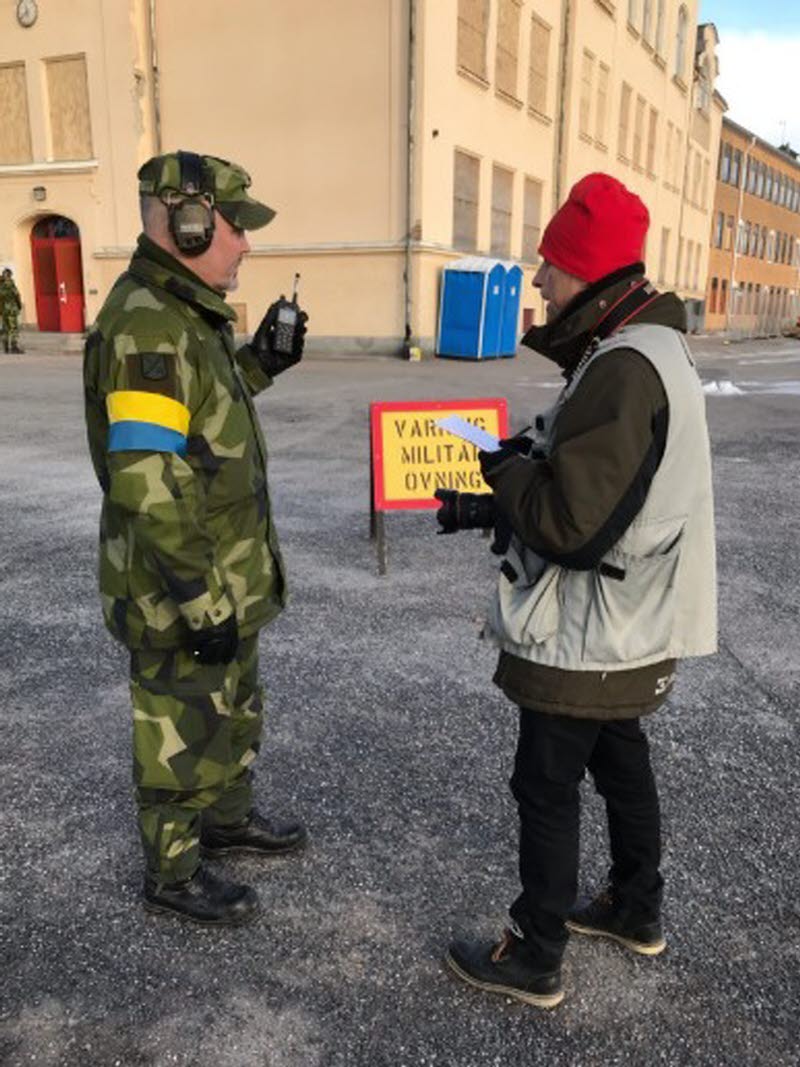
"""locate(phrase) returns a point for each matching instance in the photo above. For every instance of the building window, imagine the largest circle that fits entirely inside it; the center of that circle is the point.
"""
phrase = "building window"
(660, 28)
(638, 131)
(736, 165)
(668, 152)
(664, 255)
(647, 21)
(696, 178)
(537, 68)
(15, 129)
(624, 119)
(531, 220)
(729, 234)
(585, 105)
(712, 296)
(652, 133)
(68, 96)
(506, 58)
(768, 184)
(704, 189)
(724, 162)
(760, 178)
(466, 190)
(633, 14)
(696, 279)
(752, 248)
(688, 270)
(602, 104)
(723, 296)
(502, 198)
(473, 23)
(719, 229)
(680, 42)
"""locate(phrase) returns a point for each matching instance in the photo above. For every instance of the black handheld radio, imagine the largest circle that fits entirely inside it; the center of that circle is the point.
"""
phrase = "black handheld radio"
(283, 339)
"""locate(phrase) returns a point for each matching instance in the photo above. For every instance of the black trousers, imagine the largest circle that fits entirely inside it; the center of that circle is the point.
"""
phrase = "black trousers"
(553, 754)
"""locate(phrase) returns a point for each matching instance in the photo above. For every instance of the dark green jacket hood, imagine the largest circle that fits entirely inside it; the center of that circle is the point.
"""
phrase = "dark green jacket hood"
(566, 338)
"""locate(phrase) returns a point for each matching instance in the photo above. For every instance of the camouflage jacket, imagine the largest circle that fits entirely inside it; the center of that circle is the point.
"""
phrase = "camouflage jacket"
(186, 533)
(9, 296)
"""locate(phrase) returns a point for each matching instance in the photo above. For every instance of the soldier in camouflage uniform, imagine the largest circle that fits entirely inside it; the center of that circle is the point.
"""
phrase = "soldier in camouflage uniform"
(190, 568)
(10, 306)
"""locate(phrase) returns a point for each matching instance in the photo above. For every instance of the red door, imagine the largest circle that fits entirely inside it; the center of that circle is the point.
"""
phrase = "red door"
(57, 275)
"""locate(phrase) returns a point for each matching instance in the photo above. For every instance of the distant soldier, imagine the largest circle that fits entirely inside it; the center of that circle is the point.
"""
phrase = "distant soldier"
(190, 568)
(10, 306)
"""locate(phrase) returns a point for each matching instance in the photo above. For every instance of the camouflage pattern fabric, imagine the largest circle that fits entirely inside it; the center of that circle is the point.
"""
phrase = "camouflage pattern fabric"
(186, 534)
(186, 539)
(196, 732)
(10, 305)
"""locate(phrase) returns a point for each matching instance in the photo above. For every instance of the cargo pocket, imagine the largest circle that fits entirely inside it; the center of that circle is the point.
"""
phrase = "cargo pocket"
(631, 609)
(528, 613)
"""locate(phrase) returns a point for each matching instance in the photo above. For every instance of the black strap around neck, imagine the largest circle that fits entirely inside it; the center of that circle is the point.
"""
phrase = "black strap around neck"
(631, 304)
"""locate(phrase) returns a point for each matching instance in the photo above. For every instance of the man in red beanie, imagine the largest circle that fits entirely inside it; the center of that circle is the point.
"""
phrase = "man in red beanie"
(604, 520)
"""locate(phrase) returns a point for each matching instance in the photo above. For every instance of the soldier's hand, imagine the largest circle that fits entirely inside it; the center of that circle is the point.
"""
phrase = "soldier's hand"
(274, 362)
(216, 644)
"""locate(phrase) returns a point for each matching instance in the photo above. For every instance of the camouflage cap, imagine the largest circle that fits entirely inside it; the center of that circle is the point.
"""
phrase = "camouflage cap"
(226, 182)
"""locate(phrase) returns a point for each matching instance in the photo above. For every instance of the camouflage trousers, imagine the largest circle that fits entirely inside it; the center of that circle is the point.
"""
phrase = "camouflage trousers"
(196, 731)
(9, 327)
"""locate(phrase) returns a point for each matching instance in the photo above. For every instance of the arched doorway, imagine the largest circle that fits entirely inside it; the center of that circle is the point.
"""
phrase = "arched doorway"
(57, 274)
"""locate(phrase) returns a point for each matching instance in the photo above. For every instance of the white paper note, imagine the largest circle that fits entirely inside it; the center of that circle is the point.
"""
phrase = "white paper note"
(454, 424)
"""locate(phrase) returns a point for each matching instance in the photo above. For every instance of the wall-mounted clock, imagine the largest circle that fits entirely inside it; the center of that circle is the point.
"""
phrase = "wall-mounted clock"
(27, 12)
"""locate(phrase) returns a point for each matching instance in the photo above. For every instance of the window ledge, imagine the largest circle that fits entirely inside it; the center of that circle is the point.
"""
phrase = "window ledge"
(471, 76)
(608, 6)
(659, 61)
(540, 116)
(623, 159)
(600, 145)
(514, 101)
(651, 175)
(680, 83)
(51, 166)
(585, 138)
(647, 46)
(633, 31)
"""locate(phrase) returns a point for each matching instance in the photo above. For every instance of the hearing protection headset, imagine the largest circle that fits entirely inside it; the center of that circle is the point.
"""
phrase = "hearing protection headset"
(191, 210)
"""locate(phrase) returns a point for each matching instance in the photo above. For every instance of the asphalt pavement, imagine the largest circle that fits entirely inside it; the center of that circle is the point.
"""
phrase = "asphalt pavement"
(385, 734)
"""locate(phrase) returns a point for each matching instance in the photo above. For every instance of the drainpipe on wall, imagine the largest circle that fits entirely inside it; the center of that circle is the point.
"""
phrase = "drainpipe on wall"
(559, 162)
(411, 89)
(155, 81)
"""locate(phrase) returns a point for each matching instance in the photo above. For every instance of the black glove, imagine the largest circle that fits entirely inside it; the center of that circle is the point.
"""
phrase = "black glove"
(464, 511)
(216, 644)
(273, 362)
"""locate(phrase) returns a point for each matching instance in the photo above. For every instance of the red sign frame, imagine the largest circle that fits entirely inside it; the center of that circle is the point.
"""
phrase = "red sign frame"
(376, 410)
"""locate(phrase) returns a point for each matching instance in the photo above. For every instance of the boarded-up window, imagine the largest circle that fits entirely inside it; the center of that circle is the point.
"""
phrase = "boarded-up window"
(602, 104)
(466, 189)
(15, 129)
(502, 196)
(585, 103)
(531, 221)
(638, 131)
(473, 22)
(68, 96)
(624, 119)
(507, 47)
(652, 132)
(538, 65)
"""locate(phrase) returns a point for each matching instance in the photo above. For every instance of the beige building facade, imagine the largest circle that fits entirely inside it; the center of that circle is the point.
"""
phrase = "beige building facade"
(391, 136)
(754, 264)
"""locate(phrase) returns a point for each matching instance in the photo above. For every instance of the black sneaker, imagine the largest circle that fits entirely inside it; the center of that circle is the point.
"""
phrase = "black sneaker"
(602, 918)
(269, 837)
(505, 968)
(204, 898)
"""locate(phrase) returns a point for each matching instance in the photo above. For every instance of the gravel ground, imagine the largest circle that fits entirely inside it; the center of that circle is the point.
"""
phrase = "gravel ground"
(386, 735)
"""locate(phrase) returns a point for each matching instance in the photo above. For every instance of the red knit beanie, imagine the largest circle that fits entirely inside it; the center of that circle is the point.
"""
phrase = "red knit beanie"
(600, 228)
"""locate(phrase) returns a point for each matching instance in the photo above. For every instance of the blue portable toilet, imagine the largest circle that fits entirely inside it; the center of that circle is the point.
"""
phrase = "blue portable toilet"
(479, 308)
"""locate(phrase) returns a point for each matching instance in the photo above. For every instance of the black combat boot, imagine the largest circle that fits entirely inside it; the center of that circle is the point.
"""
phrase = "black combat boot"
(204, 898)
(507, 968)
(17, 351)
(268, 837)
(604, 917)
